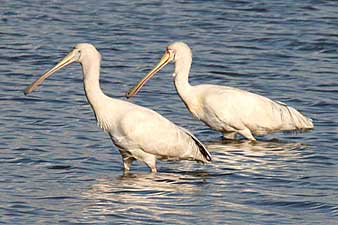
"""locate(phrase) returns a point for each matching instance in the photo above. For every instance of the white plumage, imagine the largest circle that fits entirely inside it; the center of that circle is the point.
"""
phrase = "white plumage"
(228, 110)
(139, 133)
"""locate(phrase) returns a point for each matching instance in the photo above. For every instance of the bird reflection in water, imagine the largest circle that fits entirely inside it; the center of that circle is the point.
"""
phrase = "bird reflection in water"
(145, 196)
(258, 146)
(247, 155)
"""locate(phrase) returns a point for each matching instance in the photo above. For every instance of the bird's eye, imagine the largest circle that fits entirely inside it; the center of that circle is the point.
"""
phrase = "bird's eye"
(78, 54)
(172, 53)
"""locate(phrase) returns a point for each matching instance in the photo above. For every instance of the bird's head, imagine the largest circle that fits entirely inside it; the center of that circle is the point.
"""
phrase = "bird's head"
(84, 51)
(80, 53)
(178, 51)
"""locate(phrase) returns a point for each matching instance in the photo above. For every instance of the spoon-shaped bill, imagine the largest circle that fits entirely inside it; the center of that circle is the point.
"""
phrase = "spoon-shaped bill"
(70, 57)
(163, 61)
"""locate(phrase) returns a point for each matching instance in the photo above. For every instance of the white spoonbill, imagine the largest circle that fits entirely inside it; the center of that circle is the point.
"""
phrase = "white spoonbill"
(139, 133)
(228, 110)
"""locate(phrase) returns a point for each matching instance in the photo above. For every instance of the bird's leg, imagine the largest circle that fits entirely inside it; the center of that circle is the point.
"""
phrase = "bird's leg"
(153, 169)
(126, 163)
(247, 134)
(151, 163)
(230, 135)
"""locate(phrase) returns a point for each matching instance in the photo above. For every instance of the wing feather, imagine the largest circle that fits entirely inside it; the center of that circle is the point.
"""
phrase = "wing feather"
(204, 151)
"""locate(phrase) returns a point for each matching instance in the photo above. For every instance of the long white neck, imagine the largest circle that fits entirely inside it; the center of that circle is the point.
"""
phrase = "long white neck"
(100, 103)
(181, 80)
(91, 76)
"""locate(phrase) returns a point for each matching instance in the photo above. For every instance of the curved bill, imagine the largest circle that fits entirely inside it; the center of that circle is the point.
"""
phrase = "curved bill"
(64, 62)
(163, 61)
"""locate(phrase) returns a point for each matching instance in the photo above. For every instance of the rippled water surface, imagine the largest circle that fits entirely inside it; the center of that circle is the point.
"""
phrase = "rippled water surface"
(57, 166)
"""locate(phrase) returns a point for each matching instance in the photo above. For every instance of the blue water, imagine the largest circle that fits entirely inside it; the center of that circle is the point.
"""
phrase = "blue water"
(57, 166)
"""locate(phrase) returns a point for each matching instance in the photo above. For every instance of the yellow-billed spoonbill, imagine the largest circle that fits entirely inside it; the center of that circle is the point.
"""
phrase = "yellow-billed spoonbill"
(228, 110)
(138, 132)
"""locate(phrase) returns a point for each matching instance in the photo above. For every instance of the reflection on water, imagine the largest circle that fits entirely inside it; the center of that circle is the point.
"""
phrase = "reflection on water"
(148, 197)
(258, 147)
(244, 154)
(135, 182)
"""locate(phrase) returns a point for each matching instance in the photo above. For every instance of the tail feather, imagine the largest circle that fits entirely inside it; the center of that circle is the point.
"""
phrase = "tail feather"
(294, 118)
(203, 150)
(300, 121)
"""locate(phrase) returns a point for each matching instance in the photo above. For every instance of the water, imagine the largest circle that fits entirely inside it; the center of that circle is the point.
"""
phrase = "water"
(56, 166)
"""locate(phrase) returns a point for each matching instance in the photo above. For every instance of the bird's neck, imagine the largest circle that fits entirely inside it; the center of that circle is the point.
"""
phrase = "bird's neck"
(181, 77)
(94, 94)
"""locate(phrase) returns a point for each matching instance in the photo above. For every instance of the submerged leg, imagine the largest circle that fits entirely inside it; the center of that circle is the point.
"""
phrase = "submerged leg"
(230, 135)
(247, 134)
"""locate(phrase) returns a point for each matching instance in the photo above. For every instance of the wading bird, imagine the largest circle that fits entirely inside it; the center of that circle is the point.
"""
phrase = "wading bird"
(228, 110)
(139, 133)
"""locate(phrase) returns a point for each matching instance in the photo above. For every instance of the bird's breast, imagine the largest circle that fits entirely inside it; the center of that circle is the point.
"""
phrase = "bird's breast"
(194, 109)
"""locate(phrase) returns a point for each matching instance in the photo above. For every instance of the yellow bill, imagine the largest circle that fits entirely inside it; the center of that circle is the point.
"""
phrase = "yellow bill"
(71, 57)
(163, 61)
